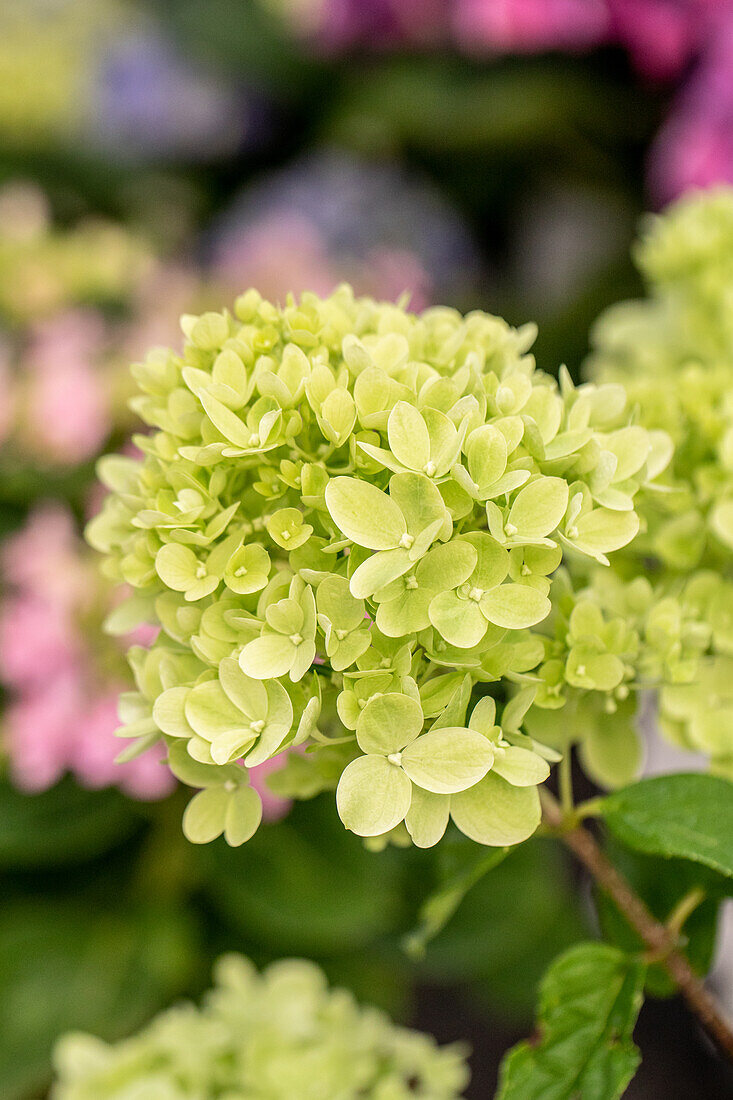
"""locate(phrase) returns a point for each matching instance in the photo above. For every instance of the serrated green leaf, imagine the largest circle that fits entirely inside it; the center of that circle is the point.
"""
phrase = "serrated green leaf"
(589, 1001)
(684, 816)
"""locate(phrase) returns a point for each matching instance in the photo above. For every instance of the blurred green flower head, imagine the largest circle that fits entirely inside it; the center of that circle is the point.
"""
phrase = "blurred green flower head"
(275, 1036)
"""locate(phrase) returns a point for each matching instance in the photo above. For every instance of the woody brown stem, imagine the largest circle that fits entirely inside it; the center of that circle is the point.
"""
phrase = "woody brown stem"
(660, 940)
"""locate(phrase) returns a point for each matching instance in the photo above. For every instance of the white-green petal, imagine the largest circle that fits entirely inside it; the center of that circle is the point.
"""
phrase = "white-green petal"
(459, 622)
(538, 508)
(243, 815)
(388, 723)
(379, 570)
(211, 713)
(268, 656)
(601, 531)
(373, 796)
(246, 693)
(521, 767)
(169, 712)
(408, 436)
(364, 513)
(176, 566)
(427, 817)
(204, 818)
(515, 606)
(448, 760)
(495, 813)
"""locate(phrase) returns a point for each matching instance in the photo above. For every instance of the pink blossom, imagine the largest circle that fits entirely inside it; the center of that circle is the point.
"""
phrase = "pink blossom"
(273, 807)
(67, 413)
(280, 253)
(37, 642)
(694, 148)
(43, 559)
(663, 36)
(39, 729)
(530, 26)
(95, 746)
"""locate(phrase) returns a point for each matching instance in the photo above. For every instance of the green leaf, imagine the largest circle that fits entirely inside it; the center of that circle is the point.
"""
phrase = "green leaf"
(84, 963)
(662, 884)
(515, 606)
(388, 723)
(438, 909)
(372, 796)
(364, 513)
(495, 813)
(448, 760)
(65, 824)
(589, 1001)
(685, 816)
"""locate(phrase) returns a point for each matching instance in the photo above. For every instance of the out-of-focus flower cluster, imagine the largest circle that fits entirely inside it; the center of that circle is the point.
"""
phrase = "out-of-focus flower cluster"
(102, 74)
(350, 514)
(330, 218)
(689, 42)
(673, 351)
(75, 304)
(275, 1035)
(63, 673)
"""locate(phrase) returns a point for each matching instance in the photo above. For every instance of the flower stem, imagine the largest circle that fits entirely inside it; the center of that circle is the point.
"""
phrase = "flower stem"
(566, 783)
(661, 941)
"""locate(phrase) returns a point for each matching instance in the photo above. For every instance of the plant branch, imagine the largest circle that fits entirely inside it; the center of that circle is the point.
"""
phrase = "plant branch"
(660, 940)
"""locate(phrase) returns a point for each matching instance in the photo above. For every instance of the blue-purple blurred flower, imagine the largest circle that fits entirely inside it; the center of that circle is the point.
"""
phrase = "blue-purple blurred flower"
(331, 218)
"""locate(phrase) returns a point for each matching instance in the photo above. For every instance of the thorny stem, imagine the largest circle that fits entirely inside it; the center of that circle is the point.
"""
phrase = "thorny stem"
(661, 941)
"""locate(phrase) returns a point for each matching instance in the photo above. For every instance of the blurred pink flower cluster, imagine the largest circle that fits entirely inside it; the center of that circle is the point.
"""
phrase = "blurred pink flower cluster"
(63, 674)
(64, 356)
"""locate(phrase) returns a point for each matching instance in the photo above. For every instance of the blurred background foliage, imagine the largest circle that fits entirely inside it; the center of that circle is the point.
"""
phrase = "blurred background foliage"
(159, 157)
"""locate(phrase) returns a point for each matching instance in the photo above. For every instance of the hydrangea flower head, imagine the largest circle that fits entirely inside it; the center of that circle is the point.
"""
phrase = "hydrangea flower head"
(673, 351)
(346, 524)
(275, 1035)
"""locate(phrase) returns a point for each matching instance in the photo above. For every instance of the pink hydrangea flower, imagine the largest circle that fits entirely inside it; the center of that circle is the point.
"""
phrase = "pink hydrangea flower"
(39, 728)
(37, 642)
(663, 36)
(694, 148)
(63, 711)
(94, 748)
(530, 26)
(67, 408)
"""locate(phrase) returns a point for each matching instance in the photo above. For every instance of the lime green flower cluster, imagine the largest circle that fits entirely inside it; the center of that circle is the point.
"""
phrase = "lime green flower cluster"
(346, 524)
(276, 1035)
(44, 269)
(673, 352)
